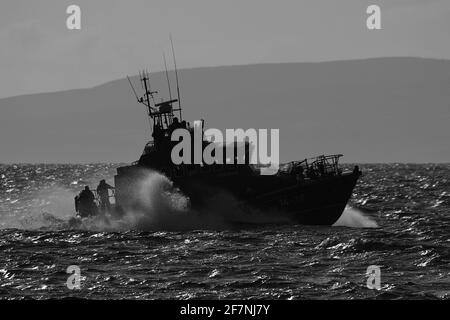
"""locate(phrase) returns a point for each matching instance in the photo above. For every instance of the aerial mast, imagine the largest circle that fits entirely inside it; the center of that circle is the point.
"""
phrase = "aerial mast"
(167, 76)
(161, 113)
(132, 87)
(176, 77)
(144, 80)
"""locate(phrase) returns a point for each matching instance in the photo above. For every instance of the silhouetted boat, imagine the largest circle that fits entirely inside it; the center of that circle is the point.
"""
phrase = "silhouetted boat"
(313, 191)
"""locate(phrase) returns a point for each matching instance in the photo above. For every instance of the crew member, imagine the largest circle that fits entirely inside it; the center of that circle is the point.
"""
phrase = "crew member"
(175, 124)
(102, 191)
(86, 205)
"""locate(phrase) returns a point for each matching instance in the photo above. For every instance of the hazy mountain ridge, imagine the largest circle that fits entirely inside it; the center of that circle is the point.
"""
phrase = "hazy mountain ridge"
(374, 110)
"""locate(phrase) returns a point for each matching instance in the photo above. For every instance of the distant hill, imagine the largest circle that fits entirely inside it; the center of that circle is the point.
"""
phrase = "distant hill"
(375, 110)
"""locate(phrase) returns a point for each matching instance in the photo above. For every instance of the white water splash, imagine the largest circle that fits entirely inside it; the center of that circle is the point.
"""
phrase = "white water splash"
(165, 207)
(354, 218)
(50, 208)
(162, 207)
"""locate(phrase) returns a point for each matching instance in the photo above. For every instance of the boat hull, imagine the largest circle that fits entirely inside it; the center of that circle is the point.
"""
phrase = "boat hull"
(309, 202)
(316, 202)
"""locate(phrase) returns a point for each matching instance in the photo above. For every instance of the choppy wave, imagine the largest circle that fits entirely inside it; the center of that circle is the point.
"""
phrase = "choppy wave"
(397, 219)
(162, 207)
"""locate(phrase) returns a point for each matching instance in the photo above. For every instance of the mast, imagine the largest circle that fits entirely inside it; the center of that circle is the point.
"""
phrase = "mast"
(147, 92)
(134, 91)
(176, 77)
(167, 76)
(162, 113)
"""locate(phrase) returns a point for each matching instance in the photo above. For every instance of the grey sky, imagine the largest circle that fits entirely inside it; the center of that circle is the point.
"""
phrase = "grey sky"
(39, 54)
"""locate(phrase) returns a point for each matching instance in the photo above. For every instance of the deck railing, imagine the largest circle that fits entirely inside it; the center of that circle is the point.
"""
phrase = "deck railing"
(317, 166)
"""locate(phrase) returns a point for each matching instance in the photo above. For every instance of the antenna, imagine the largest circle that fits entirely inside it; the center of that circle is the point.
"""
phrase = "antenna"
(134, 91)
(140, 78)
(141, 100)
(145, 80)
(167, 76)
(151, 93)
(176, 77)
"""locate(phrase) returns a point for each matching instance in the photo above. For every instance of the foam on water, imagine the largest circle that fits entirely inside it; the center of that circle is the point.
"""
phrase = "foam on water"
(51, 208)
(165, 207)
(354, 218)
(275, 262)
(162, 207)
